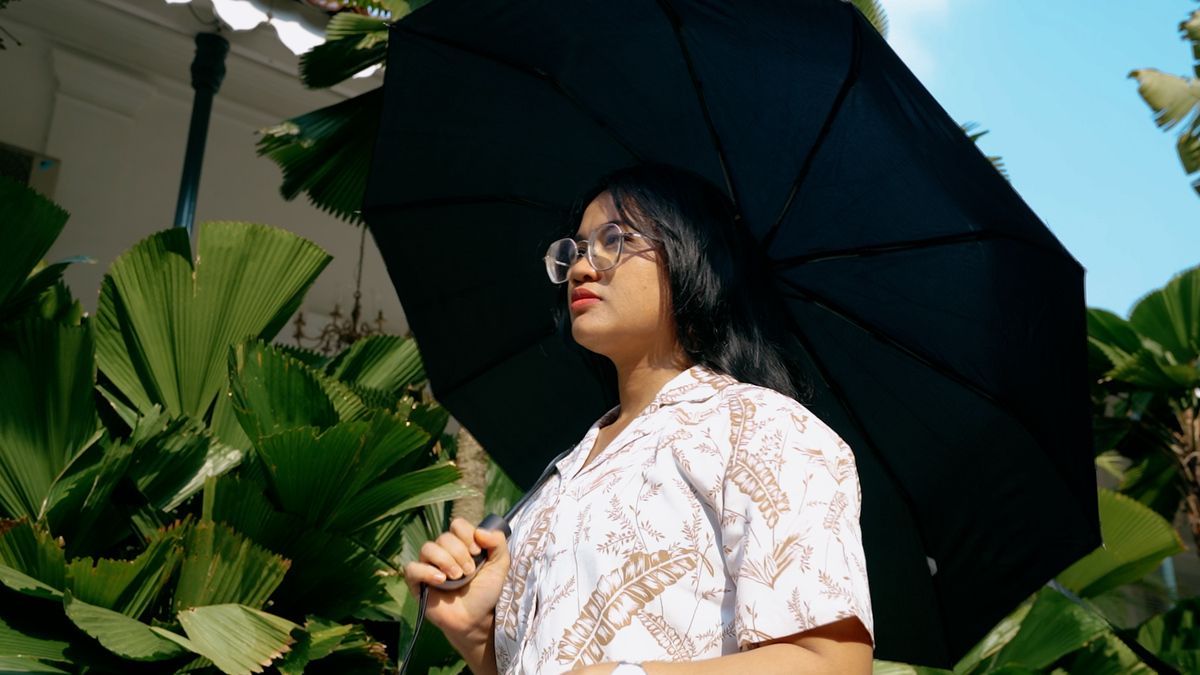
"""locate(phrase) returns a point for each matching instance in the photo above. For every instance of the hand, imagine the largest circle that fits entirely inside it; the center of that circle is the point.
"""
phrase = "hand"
(467, 611)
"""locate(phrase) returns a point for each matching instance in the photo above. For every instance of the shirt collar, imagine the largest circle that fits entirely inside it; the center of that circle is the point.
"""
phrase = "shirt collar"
(694, 385)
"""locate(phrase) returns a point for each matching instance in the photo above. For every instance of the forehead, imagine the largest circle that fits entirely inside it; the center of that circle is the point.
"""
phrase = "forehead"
(601, 210)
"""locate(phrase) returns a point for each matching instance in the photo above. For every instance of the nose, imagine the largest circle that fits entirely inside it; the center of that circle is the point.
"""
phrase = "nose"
(582, 270)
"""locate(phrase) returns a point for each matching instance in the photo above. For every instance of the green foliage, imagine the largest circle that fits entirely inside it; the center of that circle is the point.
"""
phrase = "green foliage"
(1175, 635)
(232, 506)
(158, 337)
(874, 12)
(326, 153)
(1136, 541)
(1145, 374)
(1175, 100)
(353, 43)
(996, 160)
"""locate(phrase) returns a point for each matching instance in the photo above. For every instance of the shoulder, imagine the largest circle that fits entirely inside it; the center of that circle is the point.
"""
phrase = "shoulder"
(750, 403)
(755, 412)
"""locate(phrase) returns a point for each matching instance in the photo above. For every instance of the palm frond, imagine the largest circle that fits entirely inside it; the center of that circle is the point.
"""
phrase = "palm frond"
(165, 323)
(353, 43)
(324, 153)
(874, 12)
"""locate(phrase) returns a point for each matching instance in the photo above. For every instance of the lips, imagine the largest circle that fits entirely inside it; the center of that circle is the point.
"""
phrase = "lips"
(581, 297)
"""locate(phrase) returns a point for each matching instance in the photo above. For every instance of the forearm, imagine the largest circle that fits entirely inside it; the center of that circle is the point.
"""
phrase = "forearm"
(478, 648)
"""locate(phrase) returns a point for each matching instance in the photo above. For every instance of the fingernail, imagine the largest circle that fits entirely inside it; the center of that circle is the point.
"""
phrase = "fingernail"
(457, 572)
(439, 577)
(475, 550)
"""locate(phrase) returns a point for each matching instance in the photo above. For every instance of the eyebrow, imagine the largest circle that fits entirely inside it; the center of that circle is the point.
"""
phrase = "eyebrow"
(579, 237)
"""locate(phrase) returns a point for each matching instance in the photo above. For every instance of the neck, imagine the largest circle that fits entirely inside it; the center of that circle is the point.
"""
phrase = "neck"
(639, 380)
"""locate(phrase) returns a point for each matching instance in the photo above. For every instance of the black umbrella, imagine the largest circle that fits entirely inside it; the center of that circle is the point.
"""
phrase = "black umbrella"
(943, 323)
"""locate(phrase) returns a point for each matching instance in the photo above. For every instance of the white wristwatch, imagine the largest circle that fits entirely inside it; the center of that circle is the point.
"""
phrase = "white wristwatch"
(627, 668)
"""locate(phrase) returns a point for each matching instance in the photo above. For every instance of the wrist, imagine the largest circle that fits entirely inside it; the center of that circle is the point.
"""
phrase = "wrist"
(477, 647)
(473, 635)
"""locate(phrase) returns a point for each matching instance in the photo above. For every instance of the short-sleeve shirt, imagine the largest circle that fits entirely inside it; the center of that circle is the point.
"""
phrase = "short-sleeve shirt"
(725, 515)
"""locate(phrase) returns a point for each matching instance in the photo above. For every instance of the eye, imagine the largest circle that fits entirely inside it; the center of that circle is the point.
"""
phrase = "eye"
(611, 237)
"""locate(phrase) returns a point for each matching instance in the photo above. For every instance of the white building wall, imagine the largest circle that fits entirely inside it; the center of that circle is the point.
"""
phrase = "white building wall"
(104, 86)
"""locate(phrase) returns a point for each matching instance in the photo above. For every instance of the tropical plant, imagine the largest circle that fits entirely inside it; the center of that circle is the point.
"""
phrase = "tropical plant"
(1175, 100)
(1146, 391)
(179, 495)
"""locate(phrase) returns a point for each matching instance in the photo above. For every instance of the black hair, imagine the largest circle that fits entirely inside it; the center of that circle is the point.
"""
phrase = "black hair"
(728, 315)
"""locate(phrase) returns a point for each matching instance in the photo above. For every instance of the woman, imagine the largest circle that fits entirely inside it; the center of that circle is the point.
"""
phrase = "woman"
(708, 523)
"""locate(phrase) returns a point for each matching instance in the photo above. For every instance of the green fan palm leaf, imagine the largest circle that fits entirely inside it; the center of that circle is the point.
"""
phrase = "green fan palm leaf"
(325, 153)
(120, 634)
(29, 224)
(353, 43)
(165, 323)
(47, 415)
(1136, 540)
(237, 639)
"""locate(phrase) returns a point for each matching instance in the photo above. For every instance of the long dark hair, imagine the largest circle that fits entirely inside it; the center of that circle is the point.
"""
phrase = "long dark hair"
(727, 313)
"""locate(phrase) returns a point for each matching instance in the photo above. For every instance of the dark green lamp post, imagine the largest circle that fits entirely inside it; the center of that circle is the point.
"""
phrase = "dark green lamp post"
(208, 70)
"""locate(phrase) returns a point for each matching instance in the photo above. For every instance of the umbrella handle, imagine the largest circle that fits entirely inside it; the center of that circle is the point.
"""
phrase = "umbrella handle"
(490, 522)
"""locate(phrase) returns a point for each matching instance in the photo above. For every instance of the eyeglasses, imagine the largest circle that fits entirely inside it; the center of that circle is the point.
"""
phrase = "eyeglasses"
(603, 249)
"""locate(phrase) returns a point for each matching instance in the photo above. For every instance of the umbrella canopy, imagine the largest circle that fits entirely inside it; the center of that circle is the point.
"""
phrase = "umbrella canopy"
(942, 322)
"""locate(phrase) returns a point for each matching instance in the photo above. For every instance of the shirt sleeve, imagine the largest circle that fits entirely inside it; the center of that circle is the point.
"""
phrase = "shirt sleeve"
(790, 521)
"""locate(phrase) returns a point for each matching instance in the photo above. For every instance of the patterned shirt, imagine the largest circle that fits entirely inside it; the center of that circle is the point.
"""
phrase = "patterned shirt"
(724, 515)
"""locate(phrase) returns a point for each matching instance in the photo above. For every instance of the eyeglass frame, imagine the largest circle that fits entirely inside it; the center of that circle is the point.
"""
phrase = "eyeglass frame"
(583, 248)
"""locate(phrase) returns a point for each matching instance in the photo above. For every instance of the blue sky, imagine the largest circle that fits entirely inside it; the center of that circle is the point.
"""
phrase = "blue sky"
(1047, 79)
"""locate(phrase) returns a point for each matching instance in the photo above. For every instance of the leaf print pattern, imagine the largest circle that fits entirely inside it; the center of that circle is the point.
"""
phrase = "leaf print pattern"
(748, 470)
(678, 647)
(768, 569)
(617, 598)
(833, 517)
(518, 572)
(727, 517)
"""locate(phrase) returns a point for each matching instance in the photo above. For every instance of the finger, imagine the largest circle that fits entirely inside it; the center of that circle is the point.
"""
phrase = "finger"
(457, 548)
(463, 529)
(417, 573)
(494, 541)
(434, 554)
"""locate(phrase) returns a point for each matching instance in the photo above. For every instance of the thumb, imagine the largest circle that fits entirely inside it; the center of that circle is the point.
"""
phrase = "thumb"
(494, 542)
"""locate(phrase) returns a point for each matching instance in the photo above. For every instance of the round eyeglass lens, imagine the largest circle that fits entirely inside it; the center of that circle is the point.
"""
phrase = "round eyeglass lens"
(559, 258)
(605, 246)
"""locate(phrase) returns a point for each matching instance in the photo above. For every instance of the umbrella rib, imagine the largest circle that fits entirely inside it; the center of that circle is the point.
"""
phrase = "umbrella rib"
(698, 87)
(841, 312)
(872, 447)
(535, 73)
(826, 127)
(894, 247)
